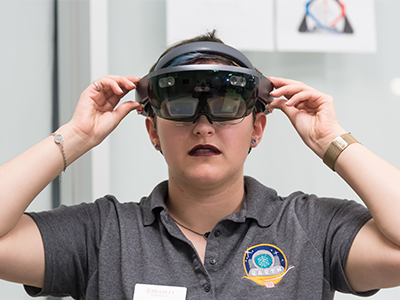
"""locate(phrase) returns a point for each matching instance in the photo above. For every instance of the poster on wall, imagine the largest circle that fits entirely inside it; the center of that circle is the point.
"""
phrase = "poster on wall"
(325, 26)
(245, 25)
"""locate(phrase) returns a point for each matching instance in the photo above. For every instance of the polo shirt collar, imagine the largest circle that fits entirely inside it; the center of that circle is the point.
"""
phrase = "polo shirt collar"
(261, 204)
(154, 203)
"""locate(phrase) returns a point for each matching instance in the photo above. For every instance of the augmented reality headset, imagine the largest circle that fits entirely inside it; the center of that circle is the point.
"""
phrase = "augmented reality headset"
(222, 93)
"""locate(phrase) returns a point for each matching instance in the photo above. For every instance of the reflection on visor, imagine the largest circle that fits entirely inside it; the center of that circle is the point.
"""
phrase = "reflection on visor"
(229, 106)
(226, 106)
(223, 96)
(181, 107)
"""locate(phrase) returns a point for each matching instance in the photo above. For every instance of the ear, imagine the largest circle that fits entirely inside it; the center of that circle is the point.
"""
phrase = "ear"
(152, 131)
(258, 129)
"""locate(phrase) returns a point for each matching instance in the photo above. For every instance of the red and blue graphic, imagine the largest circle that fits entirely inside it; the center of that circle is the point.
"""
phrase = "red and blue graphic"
(326, 16)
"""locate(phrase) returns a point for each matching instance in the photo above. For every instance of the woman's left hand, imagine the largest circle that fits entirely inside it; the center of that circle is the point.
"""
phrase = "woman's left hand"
(311, 112)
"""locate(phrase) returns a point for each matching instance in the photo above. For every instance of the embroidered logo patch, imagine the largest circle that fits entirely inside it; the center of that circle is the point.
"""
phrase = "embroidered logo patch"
(265, 265)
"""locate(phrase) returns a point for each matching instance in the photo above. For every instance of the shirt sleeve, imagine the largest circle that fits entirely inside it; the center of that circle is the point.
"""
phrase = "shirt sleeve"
(71, 237)
(349, 218)
(332, 225)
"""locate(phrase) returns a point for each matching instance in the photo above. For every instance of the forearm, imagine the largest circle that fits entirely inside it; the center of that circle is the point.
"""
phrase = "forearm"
(377, 184)
(25, 176)
(313, 115)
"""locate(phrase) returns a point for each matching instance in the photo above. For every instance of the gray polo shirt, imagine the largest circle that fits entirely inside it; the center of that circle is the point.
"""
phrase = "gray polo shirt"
(274, 248)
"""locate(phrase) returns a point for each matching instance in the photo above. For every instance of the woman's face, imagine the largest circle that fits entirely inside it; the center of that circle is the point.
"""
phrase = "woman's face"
(205, 154)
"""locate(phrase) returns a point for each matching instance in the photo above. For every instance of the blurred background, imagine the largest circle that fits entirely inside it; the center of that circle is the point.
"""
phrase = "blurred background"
(52, 50)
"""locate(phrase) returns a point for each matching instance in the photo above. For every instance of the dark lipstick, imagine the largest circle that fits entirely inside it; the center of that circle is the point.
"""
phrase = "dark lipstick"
(204, 150)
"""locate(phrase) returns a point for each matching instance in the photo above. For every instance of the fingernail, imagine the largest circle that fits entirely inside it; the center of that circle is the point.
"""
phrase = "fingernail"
(269, 109)
(139, 109)
(273, 92)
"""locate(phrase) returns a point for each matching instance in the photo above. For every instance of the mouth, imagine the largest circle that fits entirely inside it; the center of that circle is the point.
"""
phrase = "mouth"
(204, 150)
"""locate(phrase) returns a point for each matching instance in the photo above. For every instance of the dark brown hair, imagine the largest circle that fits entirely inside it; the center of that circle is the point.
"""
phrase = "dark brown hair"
(207, 37)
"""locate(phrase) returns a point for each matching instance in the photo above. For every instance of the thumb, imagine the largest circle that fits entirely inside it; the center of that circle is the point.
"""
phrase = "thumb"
(125, 108)
(289, 111)
(279, 104)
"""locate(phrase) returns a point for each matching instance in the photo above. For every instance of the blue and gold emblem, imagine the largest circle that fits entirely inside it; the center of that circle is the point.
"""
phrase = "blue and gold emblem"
(265, 265)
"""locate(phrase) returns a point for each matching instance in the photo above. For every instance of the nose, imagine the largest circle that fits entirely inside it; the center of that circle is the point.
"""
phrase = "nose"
(203, 126)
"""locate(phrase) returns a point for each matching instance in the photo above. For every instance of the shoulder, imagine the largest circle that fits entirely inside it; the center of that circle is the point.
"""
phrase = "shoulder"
(299, 201)
(316, 215)
(325, 213)
(313, 206)
(84, 216)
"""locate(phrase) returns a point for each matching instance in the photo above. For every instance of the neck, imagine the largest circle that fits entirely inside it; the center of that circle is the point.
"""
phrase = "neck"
(201, 207)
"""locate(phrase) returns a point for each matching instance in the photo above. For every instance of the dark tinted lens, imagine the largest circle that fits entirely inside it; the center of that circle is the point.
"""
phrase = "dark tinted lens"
(232, 105)
(222, 95)
(179, 108)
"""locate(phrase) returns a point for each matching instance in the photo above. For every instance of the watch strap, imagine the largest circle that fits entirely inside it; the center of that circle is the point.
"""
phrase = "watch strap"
(336, 148)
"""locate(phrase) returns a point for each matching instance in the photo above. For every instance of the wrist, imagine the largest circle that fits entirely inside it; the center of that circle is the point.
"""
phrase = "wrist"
(75, 143)
(335, 149)
(321, 144)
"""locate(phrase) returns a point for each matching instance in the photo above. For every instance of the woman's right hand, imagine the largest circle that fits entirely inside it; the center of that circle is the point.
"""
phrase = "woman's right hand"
(95, 116)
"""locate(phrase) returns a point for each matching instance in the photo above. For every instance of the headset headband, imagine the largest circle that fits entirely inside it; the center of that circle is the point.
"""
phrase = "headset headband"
(205, 47)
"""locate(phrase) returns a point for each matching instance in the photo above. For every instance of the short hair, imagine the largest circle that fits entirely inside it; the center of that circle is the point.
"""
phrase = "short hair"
(207, 37)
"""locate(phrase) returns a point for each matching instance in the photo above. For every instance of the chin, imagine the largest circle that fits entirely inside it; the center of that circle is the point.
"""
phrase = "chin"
(211, 177)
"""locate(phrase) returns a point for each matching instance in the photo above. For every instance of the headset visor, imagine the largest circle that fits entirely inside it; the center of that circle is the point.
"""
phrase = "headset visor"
(220, 95)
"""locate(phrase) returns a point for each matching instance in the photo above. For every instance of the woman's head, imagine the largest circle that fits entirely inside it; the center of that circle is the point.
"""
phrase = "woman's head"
(204, 149)
(243, 81)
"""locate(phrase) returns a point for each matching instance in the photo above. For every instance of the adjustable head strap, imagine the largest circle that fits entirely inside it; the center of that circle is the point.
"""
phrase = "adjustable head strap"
(206, 47)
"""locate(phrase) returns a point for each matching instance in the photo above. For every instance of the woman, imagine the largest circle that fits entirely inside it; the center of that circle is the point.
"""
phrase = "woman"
(208, 231)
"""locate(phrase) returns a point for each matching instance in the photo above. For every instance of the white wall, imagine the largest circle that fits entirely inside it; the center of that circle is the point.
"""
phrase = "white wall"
(136, 38)
(26, 31)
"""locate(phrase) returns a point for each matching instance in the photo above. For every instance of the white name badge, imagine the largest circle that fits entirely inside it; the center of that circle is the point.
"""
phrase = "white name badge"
(156, 292)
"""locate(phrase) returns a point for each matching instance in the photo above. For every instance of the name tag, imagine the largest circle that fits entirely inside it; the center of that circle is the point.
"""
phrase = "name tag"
(156, 292)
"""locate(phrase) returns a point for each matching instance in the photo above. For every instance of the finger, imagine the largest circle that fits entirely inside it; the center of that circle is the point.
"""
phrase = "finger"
(125, 108)
(123, 78)
(116, 87)
(302, 96)
(117, 84)
(277, 103)
(290, 110)
(133, 79)
(278, 81)
(126, 82)
(281, 105)
(289, 90)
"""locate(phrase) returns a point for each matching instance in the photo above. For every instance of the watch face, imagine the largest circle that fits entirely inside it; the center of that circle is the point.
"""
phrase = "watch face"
(58, 138)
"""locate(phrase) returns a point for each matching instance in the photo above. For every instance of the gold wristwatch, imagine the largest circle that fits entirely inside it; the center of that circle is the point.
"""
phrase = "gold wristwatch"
(336, 148)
